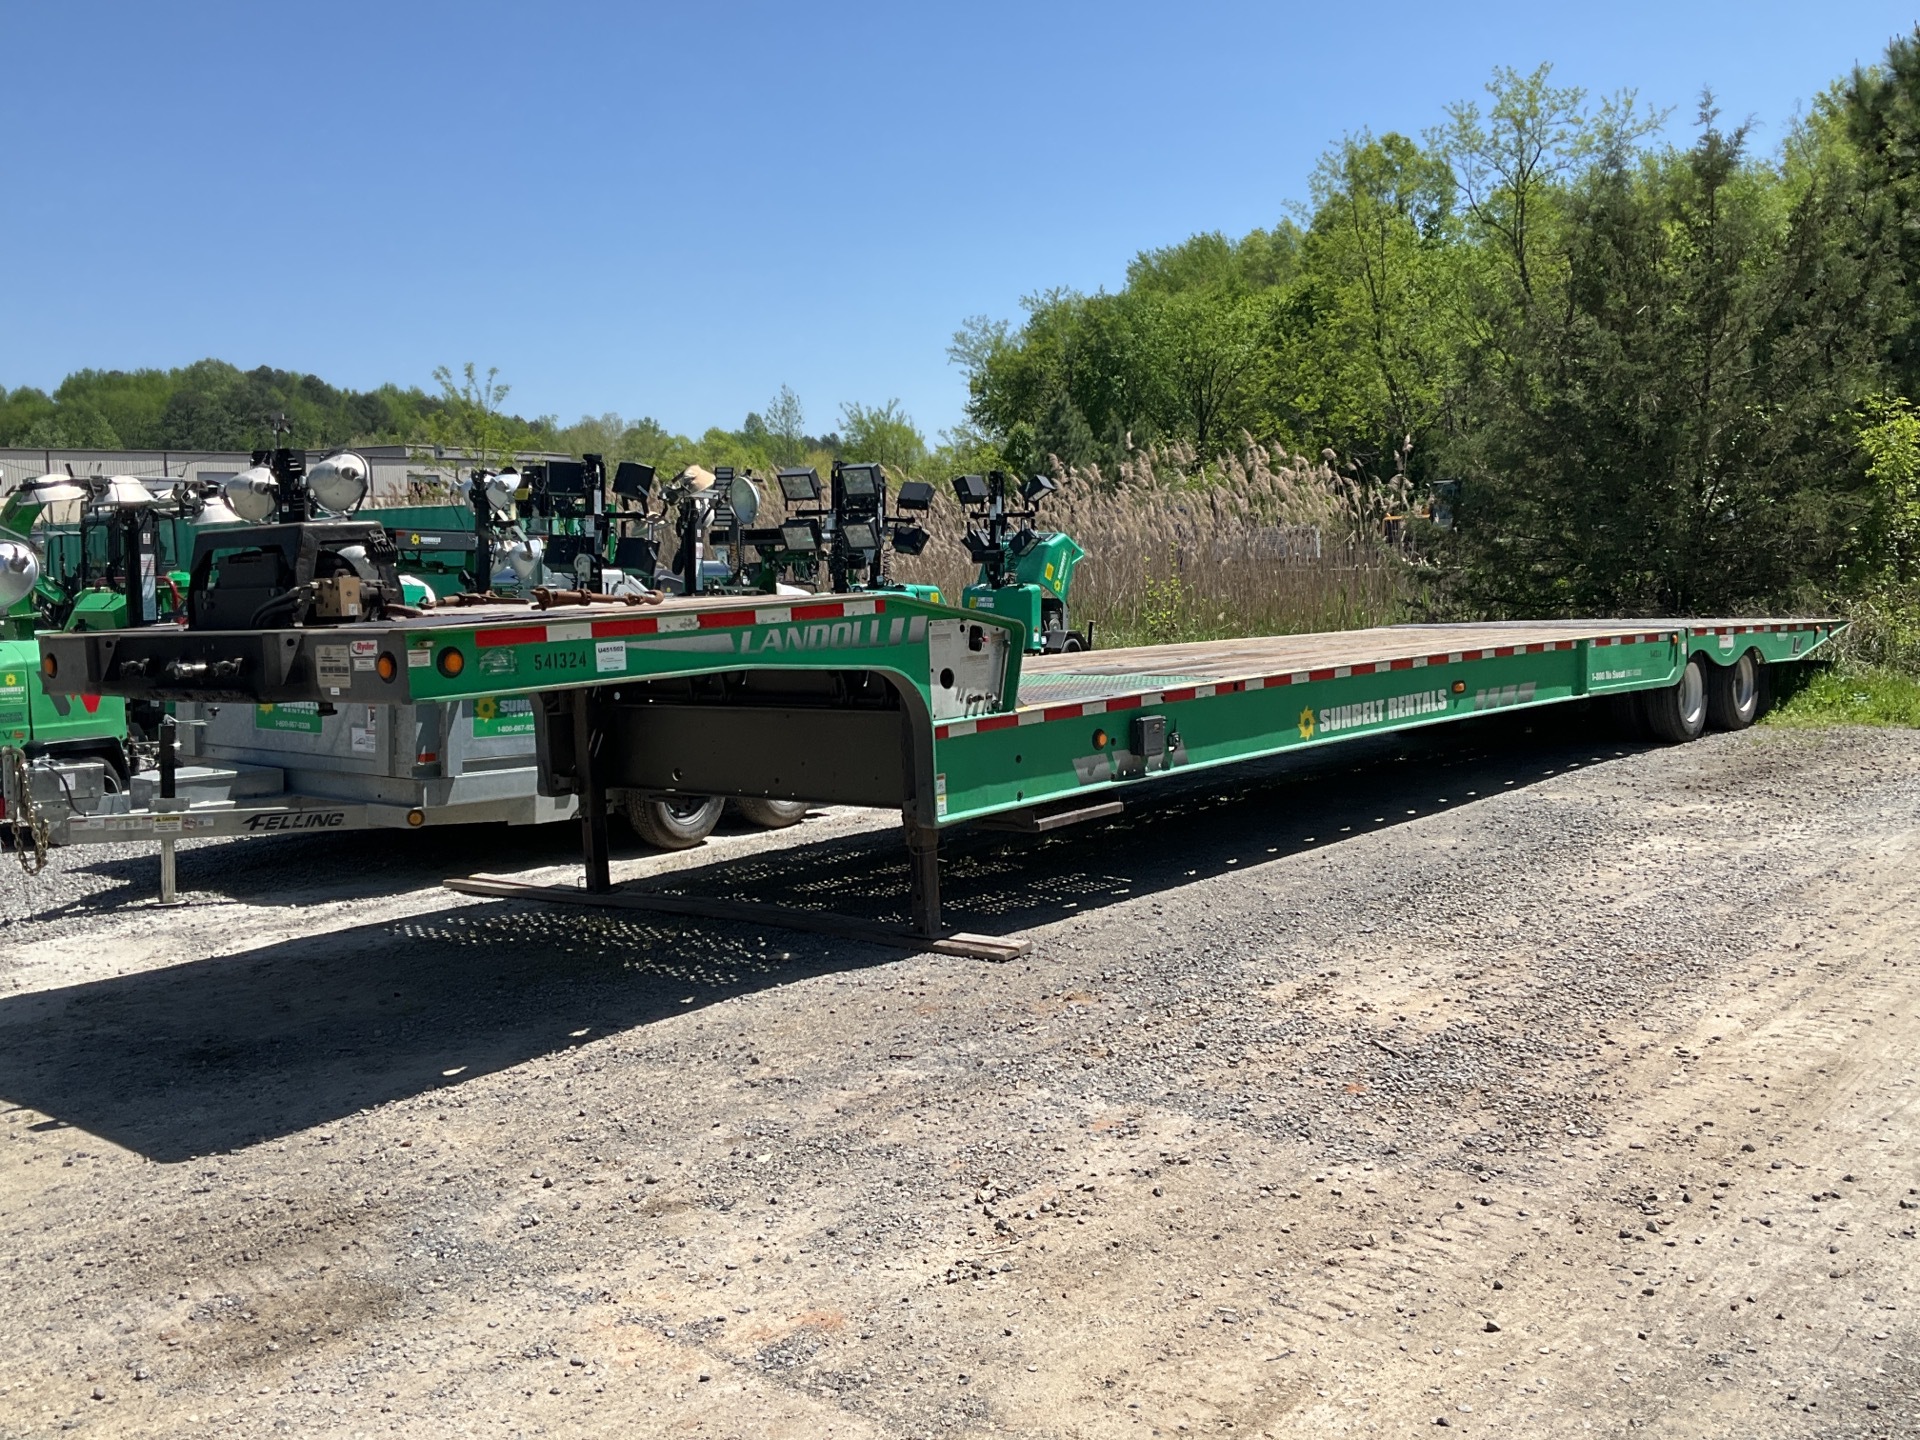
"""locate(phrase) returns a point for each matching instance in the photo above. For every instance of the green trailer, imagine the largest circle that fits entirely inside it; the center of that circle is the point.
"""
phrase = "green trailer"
(890, 700)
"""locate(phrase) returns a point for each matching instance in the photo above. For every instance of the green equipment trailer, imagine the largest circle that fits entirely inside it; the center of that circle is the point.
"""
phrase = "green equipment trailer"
(54, 744)
(887, 699)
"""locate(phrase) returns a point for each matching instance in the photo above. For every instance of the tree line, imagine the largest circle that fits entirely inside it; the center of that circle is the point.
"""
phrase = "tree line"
(213, 406)
(1663, 377)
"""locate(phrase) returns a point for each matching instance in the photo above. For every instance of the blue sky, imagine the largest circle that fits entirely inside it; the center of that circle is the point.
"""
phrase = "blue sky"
(672, 210)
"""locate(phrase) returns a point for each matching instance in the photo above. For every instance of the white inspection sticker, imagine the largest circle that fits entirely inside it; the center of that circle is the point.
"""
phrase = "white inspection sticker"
(610, 657)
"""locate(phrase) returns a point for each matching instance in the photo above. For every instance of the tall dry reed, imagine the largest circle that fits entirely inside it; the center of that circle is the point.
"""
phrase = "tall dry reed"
(1254, 542)
(1257, 542)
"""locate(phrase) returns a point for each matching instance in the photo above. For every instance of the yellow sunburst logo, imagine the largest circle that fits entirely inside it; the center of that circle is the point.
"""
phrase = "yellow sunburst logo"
(1306, 723)
(486, 708)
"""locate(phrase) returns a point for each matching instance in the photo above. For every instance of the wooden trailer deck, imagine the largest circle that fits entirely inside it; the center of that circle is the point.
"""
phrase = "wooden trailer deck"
(1294, 659)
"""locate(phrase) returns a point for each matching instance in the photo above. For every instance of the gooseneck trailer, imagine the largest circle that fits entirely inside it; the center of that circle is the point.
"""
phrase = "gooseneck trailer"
(884, 698)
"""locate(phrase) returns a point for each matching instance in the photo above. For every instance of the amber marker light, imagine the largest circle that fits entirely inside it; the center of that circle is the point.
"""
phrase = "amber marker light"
(450, 662)
(386, 667)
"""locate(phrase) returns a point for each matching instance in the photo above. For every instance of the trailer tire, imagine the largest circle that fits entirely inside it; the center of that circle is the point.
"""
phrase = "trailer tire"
(771, 814)
(1734, 694)
(1677, 713)
(673, 822)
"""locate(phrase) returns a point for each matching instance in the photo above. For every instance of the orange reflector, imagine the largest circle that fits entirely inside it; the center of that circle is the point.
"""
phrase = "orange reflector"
(1459, 687)
(416, 818)
(451, 662)
(1099, 739)
(386, 666)
(49, 666)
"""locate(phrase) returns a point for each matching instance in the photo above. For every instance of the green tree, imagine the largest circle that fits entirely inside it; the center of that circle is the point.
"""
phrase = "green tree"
(1514, 161)
(1889, 438)
(786, 427)
(884, 433)
(470, 418)
(1656, 437)
(1365, 338)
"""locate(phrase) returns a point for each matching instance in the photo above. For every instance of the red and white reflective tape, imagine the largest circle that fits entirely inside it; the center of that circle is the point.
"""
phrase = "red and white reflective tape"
(1752, 629)
(1638, 639)
(555, 632)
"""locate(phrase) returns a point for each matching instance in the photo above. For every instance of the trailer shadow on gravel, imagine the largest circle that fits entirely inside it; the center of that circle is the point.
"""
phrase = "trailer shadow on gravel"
(359, 864)
(225, 1052)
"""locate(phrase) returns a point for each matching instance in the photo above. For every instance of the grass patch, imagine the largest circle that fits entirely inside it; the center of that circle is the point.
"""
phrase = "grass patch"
(1851, 695)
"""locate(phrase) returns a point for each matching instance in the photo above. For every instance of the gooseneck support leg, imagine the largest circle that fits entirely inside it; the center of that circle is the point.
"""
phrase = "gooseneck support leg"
(589, 733)
(169, 793)
(923, 875)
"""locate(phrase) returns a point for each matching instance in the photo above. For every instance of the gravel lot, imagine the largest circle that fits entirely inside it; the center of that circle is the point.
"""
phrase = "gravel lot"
(1543, 1086)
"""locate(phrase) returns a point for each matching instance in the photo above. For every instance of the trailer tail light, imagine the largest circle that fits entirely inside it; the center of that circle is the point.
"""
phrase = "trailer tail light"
(386, 667)
(450, 662)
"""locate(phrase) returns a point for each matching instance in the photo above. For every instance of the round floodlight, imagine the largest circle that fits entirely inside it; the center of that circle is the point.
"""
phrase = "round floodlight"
(356, 556)
(339, 482)
(214, 511)
(524, 557)
(744, 495)
(50, 490)
(253, 494)
(126, 493)
(19, 572)
(500, 489)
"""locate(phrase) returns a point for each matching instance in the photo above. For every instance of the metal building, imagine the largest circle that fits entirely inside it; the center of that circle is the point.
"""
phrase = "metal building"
(402, 474)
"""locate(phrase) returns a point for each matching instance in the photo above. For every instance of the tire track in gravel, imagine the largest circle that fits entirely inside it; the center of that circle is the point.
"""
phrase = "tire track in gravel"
(1264, 1148)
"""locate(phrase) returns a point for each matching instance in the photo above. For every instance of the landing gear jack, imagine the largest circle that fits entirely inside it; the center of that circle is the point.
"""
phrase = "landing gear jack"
(923, 880)
(589, 734)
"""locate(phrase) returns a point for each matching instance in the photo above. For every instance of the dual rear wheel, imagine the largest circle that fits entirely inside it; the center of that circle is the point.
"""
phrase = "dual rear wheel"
(1727, 697)
(679, 822)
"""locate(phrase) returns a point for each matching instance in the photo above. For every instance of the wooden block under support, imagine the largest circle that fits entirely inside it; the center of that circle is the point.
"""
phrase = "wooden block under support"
(846, 927)
(1039, 822)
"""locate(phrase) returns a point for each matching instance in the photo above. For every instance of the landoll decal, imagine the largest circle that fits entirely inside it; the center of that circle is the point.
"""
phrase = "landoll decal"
(831, 635)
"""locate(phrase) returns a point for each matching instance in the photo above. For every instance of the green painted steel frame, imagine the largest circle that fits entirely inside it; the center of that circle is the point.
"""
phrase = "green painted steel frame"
(1016, 756)
(1046, 754)
(886, 633)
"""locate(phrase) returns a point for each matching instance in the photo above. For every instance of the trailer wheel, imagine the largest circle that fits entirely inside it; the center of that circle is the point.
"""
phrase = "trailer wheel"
(1733, 694)
(771, 814)
(673, 822)
(1678, 712)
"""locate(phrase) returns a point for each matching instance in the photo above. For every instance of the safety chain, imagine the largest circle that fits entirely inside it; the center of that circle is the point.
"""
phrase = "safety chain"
(23, 814)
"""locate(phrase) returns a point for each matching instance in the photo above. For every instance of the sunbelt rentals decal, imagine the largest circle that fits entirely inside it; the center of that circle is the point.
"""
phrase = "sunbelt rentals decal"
(1334, 718)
